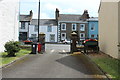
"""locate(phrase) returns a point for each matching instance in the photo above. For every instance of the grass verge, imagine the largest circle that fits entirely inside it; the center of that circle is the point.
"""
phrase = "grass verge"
(109, 65)
(5, 60)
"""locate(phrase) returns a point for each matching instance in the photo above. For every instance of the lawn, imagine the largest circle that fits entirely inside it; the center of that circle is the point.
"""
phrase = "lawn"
(109, 65)
(6, 60)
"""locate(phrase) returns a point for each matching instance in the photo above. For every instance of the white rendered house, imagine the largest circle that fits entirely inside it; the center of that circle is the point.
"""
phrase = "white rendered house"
(47, 26)
(24, 26)
(9, 21)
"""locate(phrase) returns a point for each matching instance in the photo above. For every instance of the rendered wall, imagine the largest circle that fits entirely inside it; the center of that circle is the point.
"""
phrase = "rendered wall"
(43, 29)
(119, 28)
(108, 28)
(9, 20)
(95, 31)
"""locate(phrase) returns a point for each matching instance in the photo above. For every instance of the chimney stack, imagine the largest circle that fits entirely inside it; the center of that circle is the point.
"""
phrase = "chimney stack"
(57, 13)
(31, 13)
(85, 15)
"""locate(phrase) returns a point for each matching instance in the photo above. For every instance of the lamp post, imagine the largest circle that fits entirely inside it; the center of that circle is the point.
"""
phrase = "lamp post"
(38, 19)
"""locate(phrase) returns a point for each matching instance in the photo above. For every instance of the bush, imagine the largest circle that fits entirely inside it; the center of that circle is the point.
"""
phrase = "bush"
(12, 47)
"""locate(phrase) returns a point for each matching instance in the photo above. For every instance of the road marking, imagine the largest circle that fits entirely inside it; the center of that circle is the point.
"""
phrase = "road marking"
(64, 51)
(52, 50)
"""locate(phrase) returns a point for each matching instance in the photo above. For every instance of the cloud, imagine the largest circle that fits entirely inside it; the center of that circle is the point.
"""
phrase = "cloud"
(69, 10)
(65, 6)
(50, 6)
(42, 16)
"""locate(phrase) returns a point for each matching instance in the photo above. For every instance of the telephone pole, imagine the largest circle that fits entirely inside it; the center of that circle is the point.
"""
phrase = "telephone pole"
(38, 19)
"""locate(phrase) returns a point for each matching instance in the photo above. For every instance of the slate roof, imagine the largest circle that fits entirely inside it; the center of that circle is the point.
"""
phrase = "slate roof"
(69, 17)
(44, 22)
(25, 18)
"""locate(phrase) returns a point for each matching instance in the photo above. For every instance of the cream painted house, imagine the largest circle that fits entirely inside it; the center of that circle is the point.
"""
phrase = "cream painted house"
(109, 27)
(9, 21)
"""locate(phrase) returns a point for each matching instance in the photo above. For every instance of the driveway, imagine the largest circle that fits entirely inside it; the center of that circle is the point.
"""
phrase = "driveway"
(56, 62)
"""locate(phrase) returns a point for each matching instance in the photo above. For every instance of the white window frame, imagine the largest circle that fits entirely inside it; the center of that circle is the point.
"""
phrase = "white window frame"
(23, 24)
(35, 28)
(50, 28)
(62, 26)
(75, 27)
(83, 35)
(83, 26)
(50, 38)
(33, 36)
(62, 37)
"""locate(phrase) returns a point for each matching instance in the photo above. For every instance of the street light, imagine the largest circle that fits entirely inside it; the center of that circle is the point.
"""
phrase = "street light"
(38, 19)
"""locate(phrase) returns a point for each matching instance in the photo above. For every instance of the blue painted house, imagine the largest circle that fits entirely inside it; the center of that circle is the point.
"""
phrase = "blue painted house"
(93, 28)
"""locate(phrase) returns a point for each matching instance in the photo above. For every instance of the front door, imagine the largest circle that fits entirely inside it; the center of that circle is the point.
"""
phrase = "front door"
(52, 37)
(22, 36)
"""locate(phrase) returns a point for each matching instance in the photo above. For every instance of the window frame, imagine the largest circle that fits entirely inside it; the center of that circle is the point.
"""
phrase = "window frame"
(75, 27)
(33, 36)
(22, 25)
(49, 28)
(51, 37)
(62, 26)
(83, 26)
(35, 28)
(83, 35)
(62, 37)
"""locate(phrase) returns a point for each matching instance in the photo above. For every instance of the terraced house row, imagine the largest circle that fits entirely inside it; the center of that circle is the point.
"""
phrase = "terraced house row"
(60, 28)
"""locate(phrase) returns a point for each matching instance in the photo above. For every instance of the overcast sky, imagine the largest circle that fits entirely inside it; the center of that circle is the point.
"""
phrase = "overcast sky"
(65, 7)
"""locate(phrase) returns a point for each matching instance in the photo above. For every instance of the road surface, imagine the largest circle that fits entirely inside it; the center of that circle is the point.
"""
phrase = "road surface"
(55, 63)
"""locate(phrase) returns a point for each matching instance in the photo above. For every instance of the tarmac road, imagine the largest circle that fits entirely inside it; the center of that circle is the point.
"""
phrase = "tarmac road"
(55, 63)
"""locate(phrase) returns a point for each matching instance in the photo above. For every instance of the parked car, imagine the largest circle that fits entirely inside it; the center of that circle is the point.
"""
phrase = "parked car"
(66, 41)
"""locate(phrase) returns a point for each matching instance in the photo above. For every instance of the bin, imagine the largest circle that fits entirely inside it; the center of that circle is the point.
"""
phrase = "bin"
(34, 48)
(39, 47)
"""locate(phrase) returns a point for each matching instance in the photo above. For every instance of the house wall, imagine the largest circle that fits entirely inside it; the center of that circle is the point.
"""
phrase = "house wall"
(69, 29)
(26, 27)
(44, 30)
(95, 32)
(119, 29)
(108, 28)
(9, 20)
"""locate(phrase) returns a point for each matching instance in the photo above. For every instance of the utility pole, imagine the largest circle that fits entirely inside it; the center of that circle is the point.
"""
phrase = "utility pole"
(38, 19)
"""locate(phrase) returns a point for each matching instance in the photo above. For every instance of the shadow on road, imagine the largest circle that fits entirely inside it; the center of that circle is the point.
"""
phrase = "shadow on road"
(82, 64)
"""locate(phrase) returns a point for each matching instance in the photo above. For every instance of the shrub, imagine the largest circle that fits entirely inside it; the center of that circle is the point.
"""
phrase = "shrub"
(12, 47)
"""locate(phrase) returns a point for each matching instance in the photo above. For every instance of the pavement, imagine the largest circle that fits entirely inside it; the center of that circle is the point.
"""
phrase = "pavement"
(56, 62)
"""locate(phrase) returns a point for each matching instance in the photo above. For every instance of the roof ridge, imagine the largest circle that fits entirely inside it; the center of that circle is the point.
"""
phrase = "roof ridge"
(44, 19)
(70, 14)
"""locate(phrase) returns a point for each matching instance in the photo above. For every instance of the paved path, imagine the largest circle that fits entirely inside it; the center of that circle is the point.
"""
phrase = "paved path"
(55, 63)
